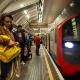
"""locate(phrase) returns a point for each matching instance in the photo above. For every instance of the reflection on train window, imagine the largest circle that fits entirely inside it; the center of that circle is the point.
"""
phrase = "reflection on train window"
(71, 29)
(67, 29)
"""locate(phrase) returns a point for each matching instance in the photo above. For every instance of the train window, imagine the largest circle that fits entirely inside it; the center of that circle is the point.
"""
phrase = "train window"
(71, 29)
(52, 43)
(67, 29)
(55, 35)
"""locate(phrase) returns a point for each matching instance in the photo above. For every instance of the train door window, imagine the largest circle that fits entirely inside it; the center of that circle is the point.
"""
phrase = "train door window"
(55, 35)
(52, 44)
(47, 44)
(52, 41)
(77, 19)
(71, 40)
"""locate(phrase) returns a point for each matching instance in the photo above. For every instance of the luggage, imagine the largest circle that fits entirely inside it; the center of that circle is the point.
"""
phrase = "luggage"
(28, 55)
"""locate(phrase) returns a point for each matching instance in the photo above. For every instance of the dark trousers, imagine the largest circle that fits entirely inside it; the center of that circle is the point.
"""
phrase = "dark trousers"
(5, 68)
(22, 52)
(37, 49)
(28, 48)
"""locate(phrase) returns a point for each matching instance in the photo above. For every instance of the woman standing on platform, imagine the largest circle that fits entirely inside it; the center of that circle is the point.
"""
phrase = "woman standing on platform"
(5, 29)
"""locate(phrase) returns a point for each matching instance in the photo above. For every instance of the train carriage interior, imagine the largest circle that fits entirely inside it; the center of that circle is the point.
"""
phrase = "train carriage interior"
(57, 24)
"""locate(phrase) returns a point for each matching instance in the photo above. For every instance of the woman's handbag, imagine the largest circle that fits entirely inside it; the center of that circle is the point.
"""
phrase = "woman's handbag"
(9, 53)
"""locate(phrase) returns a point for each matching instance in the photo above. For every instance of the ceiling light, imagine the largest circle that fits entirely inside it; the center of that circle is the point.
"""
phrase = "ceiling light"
(71, 4)
(21, 5)
(35, 29)
(40, 19)
(64, 11)
(41, 8)
(27, 16)
(25, 11)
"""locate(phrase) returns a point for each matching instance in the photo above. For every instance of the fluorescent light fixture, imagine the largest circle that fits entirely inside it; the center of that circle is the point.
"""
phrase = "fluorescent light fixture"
(71, 4)
(21, 5)
(39, 21)
(64, 11)
(41, 8)
(40, 18)
(35, 29)
(27, 16)
(25, 11)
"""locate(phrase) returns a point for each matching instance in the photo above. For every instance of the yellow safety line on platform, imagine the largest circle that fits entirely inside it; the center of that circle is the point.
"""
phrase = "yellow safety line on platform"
(48, 67)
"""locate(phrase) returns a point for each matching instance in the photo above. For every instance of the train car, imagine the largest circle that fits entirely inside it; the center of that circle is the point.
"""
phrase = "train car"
(65, 45)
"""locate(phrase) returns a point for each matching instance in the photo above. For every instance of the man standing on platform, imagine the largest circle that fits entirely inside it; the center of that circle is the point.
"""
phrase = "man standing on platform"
(37, 41)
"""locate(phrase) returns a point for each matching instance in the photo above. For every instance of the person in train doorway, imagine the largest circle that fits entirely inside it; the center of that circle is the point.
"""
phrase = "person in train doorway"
(20, 37)
(5, 29)
(37, 41)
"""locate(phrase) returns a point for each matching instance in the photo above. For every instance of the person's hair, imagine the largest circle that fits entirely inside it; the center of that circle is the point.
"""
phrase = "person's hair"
(3, 16)
(37, 34)
(19, 26)
(6, 15)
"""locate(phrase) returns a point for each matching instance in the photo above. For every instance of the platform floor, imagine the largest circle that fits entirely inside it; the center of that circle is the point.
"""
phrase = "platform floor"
(35, 69)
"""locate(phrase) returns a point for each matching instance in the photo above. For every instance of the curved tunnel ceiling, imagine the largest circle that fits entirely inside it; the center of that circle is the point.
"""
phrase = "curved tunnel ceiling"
(19, 4)
(52, 8)
(23, 11)
(17, 7)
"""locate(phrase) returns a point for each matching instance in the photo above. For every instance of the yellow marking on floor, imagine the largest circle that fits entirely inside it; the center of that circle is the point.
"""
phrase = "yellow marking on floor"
(48, 67)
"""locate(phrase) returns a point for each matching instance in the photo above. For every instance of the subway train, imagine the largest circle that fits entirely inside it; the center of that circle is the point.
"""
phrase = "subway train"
(63, 44)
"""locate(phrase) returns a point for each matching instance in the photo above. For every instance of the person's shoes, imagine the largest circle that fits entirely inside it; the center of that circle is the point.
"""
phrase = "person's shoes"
(17, 75)
(23, 63)
(30, 51)
(38, 54)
